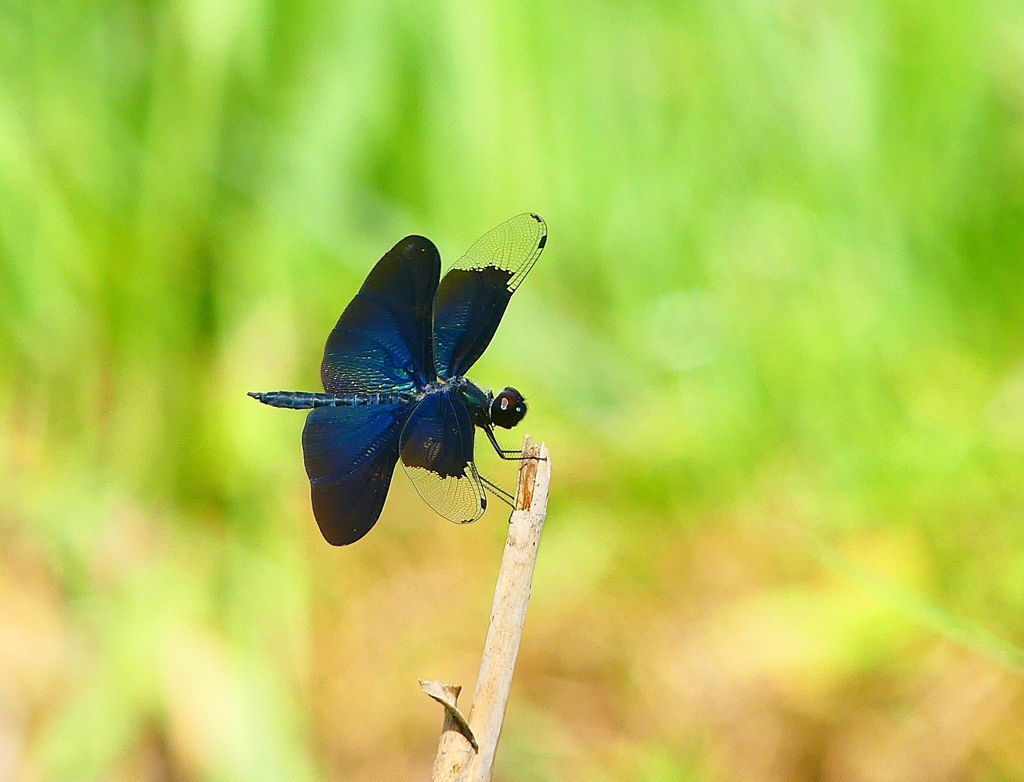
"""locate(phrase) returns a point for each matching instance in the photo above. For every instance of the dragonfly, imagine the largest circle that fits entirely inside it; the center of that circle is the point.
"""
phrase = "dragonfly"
(395, 385)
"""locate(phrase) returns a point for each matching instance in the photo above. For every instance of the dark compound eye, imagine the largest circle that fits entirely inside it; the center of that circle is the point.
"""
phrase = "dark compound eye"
(508, 408)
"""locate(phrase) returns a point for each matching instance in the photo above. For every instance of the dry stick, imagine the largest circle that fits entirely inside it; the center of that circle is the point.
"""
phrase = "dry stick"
(456, 759)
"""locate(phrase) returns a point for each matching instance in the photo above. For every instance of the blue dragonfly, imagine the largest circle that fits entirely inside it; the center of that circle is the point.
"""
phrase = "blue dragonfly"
(395, 385)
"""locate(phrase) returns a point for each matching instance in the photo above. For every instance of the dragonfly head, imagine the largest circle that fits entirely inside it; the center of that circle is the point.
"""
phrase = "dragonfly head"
(508, 408)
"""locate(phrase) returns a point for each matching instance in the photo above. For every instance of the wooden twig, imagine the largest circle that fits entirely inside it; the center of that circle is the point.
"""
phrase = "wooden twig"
(457, 759)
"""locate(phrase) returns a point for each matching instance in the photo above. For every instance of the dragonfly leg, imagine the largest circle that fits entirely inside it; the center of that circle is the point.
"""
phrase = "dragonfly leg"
(509, 454)
(499, 492)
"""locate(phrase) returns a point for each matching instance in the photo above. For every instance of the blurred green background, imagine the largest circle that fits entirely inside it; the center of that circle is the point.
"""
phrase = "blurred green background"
(775, 344)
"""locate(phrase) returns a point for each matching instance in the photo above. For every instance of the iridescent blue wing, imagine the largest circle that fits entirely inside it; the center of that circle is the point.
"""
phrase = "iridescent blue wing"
(350, 455)
(474, 293)
(437, 453)
(382, 341)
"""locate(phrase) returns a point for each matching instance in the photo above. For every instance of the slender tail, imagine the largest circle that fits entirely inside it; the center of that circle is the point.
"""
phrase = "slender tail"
(293, 400)
(305, 400)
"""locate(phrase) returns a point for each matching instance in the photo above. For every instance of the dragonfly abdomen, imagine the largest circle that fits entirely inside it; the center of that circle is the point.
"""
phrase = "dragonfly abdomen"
(304, 400)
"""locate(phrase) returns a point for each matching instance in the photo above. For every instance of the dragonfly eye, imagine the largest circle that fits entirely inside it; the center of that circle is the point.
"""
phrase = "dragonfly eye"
(508, 408)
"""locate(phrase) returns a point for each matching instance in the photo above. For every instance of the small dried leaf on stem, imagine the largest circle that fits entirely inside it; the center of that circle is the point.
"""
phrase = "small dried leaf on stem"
(447, 695)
